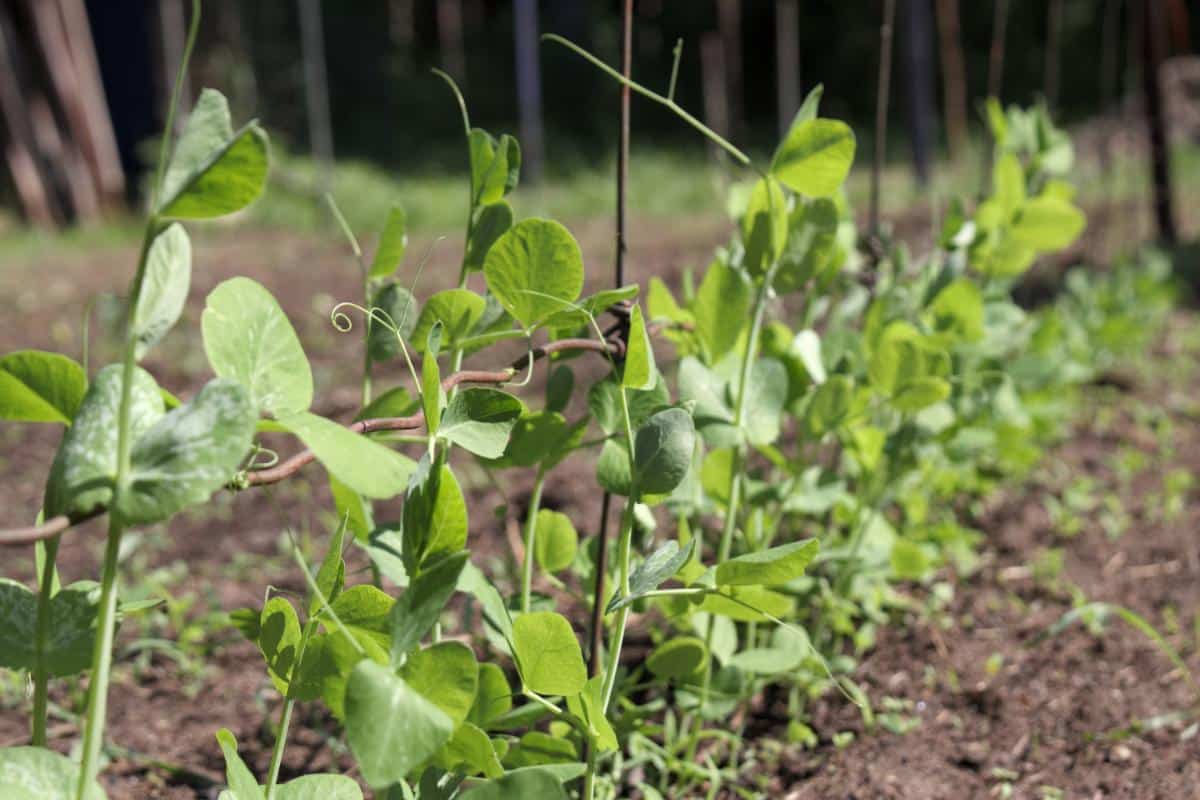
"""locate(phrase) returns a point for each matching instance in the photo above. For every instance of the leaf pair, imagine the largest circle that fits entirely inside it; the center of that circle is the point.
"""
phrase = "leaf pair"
(248, 339)
(178, 458)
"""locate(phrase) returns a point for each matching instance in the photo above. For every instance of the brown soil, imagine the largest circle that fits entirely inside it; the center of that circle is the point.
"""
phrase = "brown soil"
(1036, 719)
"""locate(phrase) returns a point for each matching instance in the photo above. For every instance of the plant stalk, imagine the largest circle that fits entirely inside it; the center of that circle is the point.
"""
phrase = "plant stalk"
(41, 676)
(725, 545)
(535, 503)
(285, 715)
(93, 737)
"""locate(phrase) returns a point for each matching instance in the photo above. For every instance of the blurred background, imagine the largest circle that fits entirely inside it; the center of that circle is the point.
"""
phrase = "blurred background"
(347, 93)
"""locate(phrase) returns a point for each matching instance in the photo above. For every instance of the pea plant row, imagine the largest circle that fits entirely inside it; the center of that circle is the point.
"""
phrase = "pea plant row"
(824, 419)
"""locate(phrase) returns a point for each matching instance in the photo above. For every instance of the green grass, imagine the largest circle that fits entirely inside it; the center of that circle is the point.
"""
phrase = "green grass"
(663, 184)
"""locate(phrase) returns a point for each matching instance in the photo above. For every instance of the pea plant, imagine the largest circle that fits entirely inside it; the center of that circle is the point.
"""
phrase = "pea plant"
(830, 412)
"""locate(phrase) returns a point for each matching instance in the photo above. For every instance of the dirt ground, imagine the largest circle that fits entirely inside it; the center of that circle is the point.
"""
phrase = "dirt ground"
(997, 713)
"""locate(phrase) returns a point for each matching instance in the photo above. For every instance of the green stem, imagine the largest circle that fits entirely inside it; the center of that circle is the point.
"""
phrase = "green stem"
(669, 103)
(366, 376)
(535, 503)
(624, 546)
(285, 720)
(285, 715)
(729, 528)
(93, 736)
(41, 676)
(93, 733)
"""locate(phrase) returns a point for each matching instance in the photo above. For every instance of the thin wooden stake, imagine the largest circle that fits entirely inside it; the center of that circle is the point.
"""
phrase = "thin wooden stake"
(787, 61)
(316, 93)
(597, 625)
(1050, 71)
(1153, 54)
(954, 77)
(529, 88)
(996, 54)
(883, 92)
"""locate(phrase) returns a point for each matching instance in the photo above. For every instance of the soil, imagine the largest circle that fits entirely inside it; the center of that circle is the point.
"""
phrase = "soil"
(999, 713)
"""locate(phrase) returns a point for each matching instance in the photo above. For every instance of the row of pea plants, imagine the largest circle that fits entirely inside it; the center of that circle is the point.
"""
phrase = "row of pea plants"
(829, 417)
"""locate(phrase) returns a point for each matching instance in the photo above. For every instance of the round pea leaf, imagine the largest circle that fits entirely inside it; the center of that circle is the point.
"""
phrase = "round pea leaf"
(663, 451)
(555, 540)
(678, 657)
(213, 170)
(534, 269)
(37, 386)
(548, 654)
(248, 338)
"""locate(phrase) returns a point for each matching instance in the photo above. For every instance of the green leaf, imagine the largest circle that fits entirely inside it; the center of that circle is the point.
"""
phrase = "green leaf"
(72, 629)
(677, 658)
(771, 567)
(331, 577)
(612, 468)
(400, 307)
(957, 311)
(555, 540)
(248, 338)
(807, 347)
(40, 774)
(353, 509)
(213, 170)
(366, 611)
(663, 451)
(604, 403)
(918, 393)
(495, 166)
(559, 388)
(395, 402)
(447, 675)
(640, 372)
(241, 780)
(422, 602)
(279, 640)
(391, 728)
(831, 405)
(588, 706)
(764, 226)
(325, 669)
(164, 287)
(542, 437)
(1048, 223)
(766, 396)
(548, 654)
(1008, 184)
(815, 157)
(392, 243)
(471, 747)
(37, 386)
(721, 309)
(189, 453)
(490, 224)
(433, 397)
(85, 466)
(659, 566)
(480, 420)
(909, 560)
(434, 517)
(319, 787)
(534, 269)
(493, 696)
(366, 466)
(748, 604)
(457, 309)
(533, 783)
